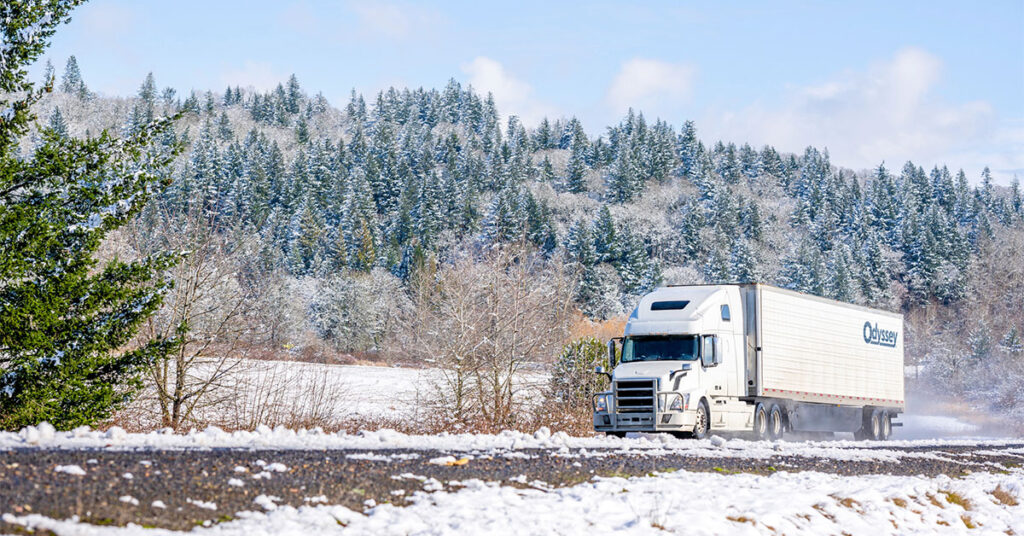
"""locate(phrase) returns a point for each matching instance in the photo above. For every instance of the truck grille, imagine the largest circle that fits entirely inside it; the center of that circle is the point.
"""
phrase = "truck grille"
(635, 396)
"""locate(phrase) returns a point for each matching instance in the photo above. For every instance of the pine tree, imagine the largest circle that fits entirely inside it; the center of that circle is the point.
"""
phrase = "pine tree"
(293, 98)
(64, 318)
(302, 131)
(576, 170)
(1016, 203)
(57, 123)
(48, 77)
(579, 244)
(224, 131)
(742, 263)
(623, 181)
(72, 81)
(606, 240)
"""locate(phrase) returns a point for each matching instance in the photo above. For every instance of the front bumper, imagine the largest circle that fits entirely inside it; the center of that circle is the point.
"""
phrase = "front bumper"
(662, 421)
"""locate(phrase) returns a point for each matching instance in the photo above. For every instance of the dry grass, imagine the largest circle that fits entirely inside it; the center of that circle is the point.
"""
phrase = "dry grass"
(968, 522)
(899, 502)
(741, 519)
(852, 504)
(1004, 497)
(821, 510)
(957, 499)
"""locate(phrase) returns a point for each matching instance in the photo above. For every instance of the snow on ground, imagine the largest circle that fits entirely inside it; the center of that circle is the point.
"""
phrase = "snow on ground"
(508, 443)
(680, 503)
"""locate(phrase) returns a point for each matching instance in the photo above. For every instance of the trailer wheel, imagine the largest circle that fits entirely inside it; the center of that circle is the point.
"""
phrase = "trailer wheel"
(775, 424)
(886, 426)
(875, 429)
(760, 422)
(703, 424)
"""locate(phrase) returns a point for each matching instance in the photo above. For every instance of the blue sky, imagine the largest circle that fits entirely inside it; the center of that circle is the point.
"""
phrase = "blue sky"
(935, 82)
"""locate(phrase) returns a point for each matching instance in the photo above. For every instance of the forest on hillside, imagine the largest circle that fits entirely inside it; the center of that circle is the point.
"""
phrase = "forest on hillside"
(314, 229)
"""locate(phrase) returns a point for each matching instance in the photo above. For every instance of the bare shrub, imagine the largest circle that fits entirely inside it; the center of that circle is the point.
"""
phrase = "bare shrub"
(483, 322)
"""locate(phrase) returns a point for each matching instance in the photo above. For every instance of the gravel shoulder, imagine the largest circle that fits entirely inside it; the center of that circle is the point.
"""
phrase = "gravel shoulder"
(179, 489)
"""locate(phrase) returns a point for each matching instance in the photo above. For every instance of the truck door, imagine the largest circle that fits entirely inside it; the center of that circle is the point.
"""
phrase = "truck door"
(714, 361)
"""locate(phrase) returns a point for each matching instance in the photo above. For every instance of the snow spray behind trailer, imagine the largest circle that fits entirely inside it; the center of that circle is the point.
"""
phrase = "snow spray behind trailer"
(755, 358)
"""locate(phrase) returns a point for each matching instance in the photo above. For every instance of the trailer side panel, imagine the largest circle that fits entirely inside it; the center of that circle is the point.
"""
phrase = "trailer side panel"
(819, 350)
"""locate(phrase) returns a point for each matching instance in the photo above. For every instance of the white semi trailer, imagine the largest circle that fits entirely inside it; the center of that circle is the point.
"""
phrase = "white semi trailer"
(755, 358)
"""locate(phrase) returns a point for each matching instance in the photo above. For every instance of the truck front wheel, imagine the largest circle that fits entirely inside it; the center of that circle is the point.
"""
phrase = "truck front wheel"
(703, 424)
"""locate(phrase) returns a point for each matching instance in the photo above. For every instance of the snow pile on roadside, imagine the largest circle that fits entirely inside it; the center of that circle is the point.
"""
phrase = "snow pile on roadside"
(263, 437)
(680, 503)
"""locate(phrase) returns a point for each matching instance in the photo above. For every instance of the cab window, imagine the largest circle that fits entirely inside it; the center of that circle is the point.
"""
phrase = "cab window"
(725, 313)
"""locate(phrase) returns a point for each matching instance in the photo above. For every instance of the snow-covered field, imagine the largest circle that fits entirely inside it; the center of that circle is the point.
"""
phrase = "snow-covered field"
(681, 503)
(351, 391)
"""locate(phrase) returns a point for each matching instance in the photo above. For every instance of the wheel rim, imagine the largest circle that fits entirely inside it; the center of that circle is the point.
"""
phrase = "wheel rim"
(886, 427)
(762, 423)
(876, 427)
(702, 419)
(776, 423)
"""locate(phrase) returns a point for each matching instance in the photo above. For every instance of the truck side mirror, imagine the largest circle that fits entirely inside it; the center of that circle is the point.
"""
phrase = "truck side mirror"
(611, 353)
(600, 370)
(709, 351)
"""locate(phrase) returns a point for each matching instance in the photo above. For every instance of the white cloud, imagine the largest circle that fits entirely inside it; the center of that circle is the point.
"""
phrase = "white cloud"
(259, 75)
(887, 112)
(652, 85)
(511, 95)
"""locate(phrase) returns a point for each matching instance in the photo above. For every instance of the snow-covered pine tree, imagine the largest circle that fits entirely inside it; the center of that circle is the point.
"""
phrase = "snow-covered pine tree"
(72, 82)
(65, 320)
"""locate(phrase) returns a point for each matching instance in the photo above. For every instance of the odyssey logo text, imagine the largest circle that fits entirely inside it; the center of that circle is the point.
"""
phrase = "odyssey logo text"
(881, 337)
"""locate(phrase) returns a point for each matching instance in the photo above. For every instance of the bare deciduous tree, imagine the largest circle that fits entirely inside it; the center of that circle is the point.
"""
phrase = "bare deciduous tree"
(482, 321)
(206, 309)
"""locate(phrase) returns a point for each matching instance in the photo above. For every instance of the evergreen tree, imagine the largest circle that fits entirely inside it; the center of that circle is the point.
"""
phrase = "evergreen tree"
(742, 263)
(57, 123)
(224, 127)
(72, 81)
(293, 98)
(48, 77)
(64, 318)
(1016, 203)
(623, 181)
(576, 170)
(302, 130)
(606, 241)
(689, 150)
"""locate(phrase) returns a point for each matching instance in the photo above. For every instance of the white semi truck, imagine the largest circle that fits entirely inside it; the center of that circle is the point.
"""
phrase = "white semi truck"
(753, 358)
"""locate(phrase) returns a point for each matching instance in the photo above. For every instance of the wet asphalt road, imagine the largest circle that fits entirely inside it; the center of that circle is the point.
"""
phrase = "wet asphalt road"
(198, 486)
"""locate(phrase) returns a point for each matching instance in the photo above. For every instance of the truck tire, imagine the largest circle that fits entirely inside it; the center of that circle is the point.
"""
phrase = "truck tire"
(886, 426)
(775, 423)
(703, 424)
(875, 425)
(760, 422)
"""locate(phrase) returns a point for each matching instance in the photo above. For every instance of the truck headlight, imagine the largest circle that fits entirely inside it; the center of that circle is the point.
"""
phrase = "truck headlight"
(679, 403)
(601, 404)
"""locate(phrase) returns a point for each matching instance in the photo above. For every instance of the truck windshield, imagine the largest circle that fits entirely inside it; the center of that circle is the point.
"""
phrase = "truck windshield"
(660, 348)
